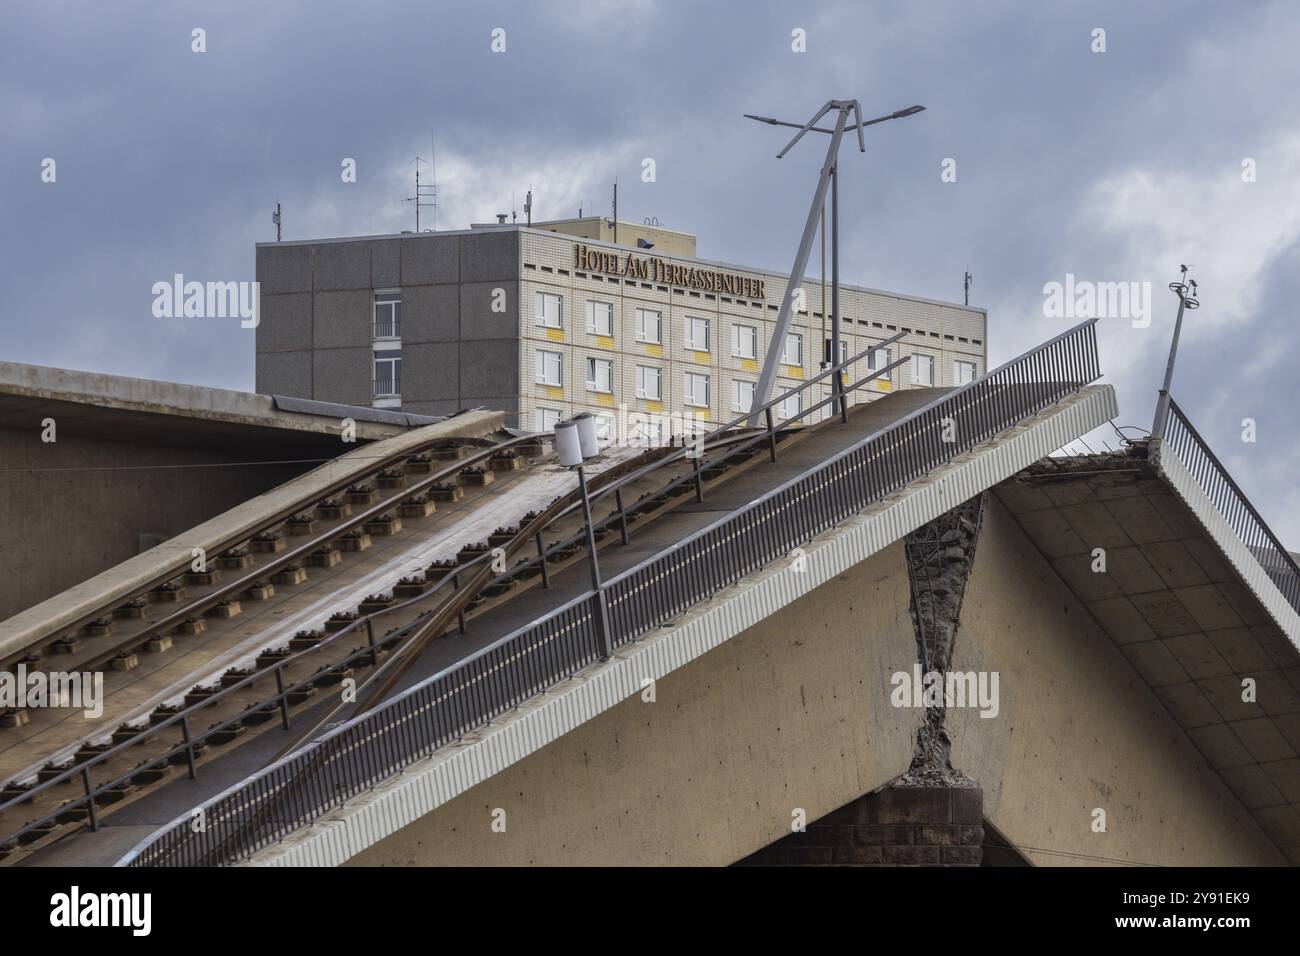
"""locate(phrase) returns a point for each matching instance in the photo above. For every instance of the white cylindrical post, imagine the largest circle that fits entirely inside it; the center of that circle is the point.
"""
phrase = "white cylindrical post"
(586, 423)
(567, 445)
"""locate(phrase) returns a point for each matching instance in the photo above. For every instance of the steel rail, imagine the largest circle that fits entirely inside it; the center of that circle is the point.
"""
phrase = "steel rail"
(352, 757)
(384, 678)
(381, 682)
(278, 517)
(180, 719)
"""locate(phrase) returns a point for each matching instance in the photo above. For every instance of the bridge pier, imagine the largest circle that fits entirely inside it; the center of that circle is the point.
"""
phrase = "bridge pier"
(903, 824)
(932, 815)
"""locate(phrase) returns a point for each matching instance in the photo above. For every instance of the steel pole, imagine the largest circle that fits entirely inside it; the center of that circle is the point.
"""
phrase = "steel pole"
(837, 385)
(602, 608)
(1162, 405)
(767, 380)
(591, 532)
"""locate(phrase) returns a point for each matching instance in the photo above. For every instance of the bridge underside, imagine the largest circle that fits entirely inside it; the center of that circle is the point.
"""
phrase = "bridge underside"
(793, 719)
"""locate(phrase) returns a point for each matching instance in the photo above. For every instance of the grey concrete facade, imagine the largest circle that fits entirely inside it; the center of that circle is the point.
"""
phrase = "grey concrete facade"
(316, 311)
(471, 332)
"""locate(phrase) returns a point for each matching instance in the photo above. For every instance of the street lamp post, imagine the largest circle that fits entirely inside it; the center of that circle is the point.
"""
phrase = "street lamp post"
(1185, 301)
(575, 442)
(829, 176)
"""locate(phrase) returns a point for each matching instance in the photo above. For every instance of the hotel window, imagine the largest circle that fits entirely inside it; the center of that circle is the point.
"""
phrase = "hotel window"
(742, 396)
(600, 375)
(600, 318)
(744, 341)
(844, 352)
(878, 359)
(388, 375)
(388, 315)
(648, 382)
(550, 310)
(697, 390)
(545, 419)
(793, 354)
(922, 370)
(648, 325)
(963, 372)
(697, 334)
(789, 406)
(550, 368)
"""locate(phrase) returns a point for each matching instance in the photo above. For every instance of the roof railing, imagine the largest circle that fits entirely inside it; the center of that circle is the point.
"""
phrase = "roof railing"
(1182, 438)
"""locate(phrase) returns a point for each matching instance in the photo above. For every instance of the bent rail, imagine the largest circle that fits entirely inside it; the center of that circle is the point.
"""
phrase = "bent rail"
(181, 562)
(1182, 438)
(355, 756)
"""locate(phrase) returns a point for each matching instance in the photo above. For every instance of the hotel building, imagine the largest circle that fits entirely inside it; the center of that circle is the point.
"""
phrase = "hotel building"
(546, 321)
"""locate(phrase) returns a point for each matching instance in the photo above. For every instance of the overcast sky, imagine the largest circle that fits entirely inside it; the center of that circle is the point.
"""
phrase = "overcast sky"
(1114, 166)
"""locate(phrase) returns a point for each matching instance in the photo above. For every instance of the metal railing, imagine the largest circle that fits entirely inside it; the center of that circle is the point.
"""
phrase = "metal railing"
(355, 756)
(1230, 501)
(387, 387)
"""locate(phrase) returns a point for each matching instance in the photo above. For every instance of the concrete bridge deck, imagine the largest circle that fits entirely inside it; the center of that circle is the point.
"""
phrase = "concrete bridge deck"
(472, 520)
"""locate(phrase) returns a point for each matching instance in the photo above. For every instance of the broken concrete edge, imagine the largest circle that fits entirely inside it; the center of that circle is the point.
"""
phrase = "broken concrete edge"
(1176, 474)
(946, 544)
(434, 780)
(176, 400)
(54, 614)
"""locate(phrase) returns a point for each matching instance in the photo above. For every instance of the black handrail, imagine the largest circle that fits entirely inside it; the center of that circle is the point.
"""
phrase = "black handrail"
(1182, 438)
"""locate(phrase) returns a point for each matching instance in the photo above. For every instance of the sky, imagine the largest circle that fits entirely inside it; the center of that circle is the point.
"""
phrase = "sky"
(1171, 137)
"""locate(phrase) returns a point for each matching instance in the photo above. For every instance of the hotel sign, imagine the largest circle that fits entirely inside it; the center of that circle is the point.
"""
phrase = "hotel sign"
(655, 269)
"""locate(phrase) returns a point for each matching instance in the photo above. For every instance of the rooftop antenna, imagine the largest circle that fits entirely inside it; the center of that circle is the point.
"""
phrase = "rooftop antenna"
(1186, 292)
(426, 194)
(528, 205)
(966, 284)
(423, 197)
(615, 210)
(275, 218)
(829, 178)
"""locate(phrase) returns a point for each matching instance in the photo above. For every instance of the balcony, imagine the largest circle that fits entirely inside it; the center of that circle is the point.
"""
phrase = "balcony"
(386, 388)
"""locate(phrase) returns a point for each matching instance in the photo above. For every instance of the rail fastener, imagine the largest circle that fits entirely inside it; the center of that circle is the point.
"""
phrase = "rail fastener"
(446, 491)
(332, 508)
(259, 591)
(291, 573)
(226, 608)
(355, 540)
(325, 556)
(418, 507)
(383, 525)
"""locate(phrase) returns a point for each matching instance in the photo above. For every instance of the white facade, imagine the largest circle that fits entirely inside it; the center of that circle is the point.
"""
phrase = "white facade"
(636, 349)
